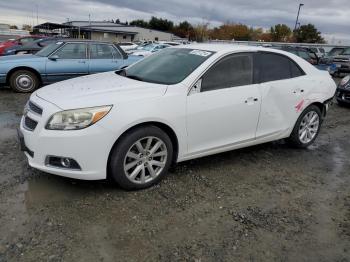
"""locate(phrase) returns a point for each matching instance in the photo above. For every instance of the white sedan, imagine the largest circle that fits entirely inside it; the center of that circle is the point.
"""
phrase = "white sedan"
(181, 103)
(126, 46)
(147, 50)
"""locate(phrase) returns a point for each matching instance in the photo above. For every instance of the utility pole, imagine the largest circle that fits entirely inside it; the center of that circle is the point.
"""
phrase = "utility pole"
(296, 22)
(89, 33)
(37, 14)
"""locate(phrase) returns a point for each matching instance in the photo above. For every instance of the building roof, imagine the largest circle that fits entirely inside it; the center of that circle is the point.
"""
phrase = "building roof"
(105, 30)
(109, 26)
(52, 26)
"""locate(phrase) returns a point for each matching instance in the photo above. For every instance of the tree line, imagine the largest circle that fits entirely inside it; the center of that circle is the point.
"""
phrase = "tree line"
(232, 31)
(227, 31)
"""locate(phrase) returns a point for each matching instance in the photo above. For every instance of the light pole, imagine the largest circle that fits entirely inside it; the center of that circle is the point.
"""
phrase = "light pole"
(296, 22)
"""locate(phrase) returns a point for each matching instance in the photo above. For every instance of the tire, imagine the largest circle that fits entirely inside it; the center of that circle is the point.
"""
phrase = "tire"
(297, 137)
(130, 166)
(24, 81)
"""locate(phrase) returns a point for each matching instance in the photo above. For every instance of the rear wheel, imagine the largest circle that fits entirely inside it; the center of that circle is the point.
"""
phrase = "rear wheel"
(141, 158)
(306, 128)
(24, 81)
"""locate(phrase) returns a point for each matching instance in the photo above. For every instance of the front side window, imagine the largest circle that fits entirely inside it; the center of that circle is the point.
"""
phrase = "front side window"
(72, 51)
(26, 40)
(231, 71)
(102, 51)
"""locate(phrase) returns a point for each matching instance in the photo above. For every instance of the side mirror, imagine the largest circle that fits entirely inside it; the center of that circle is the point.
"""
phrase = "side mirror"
(196, 88)
(54, 57)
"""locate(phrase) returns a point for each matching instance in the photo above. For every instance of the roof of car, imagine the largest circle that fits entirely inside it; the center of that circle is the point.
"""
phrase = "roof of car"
(214, 47)
(82, 40)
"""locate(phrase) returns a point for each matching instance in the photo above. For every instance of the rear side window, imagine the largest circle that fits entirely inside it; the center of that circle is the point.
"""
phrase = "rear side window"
(295, 70)
(231, 71)
(103, 51)
(273, 67)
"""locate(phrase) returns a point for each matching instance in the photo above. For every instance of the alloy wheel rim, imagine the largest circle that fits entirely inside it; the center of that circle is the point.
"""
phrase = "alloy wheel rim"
(24, 82)
(309, 127)
(145, 160)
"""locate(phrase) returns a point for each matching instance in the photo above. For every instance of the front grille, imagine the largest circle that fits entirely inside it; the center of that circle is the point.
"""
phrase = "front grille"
(34, 108)
(29, 123)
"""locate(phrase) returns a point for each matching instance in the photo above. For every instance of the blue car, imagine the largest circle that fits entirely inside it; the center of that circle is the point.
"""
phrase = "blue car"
(60, 61)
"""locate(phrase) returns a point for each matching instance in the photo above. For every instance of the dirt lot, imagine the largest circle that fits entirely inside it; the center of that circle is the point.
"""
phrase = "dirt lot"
(264, 203)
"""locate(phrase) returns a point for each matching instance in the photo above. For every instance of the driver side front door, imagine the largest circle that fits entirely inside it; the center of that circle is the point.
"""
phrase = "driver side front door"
(225, 112)
(67, 62)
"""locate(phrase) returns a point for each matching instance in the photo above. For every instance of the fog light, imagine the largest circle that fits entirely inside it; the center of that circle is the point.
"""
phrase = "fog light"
(65, 162)
(62, 162)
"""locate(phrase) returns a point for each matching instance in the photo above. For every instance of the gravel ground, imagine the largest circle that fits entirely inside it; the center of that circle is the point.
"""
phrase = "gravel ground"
(263, 203)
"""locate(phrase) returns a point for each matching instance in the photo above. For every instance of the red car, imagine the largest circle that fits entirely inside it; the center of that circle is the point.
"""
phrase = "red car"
(19, 41)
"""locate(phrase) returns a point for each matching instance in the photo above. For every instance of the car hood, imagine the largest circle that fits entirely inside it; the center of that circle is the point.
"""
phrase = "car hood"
(99, 89)
(20, 58)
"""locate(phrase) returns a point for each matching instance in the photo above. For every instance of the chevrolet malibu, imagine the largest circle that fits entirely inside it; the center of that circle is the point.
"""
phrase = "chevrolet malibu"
(178, 104)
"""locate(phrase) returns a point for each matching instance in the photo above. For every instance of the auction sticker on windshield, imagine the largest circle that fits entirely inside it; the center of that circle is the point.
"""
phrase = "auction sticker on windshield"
(200, 53)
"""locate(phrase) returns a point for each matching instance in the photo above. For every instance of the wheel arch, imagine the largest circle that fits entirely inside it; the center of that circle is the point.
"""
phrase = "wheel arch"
(23, 68)
(164, 127)
(322, 108)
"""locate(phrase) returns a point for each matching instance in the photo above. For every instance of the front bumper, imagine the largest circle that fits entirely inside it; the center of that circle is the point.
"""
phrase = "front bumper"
(343, 95)
(90, 147)
(2, 79)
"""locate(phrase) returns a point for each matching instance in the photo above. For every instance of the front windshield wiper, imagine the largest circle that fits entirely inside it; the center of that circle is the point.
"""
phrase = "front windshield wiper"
(122, 72)
(134, 77)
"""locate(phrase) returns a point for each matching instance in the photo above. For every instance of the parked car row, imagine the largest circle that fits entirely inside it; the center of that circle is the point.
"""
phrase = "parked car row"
(59, 61)
(17, 42)
(311, 56)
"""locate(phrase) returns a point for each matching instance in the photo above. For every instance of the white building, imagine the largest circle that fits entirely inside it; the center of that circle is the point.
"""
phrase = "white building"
(108, 31)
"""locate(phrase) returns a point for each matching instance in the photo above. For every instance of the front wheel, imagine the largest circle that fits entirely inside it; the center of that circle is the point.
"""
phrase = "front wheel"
(141, 158)
(306, 128)
(24, 81)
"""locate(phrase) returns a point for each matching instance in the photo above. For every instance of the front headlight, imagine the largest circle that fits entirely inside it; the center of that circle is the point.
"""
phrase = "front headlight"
(77, 118)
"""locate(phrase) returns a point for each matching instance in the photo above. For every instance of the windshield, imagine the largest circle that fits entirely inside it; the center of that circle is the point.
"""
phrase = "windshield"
(346, 51)
(169, 66)
(46, 51)
(335, 51)
(148, 47)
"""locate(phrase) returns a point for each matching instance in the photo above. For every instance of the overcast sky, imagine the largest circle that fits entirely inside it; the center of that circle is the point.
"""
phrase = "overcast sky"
(331, 17)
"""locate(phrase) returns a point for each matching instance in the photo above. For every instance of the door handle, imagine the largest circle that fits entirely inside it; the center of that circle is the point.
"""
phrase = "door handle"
(298, 91)
(82, 62)
(250, 100)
